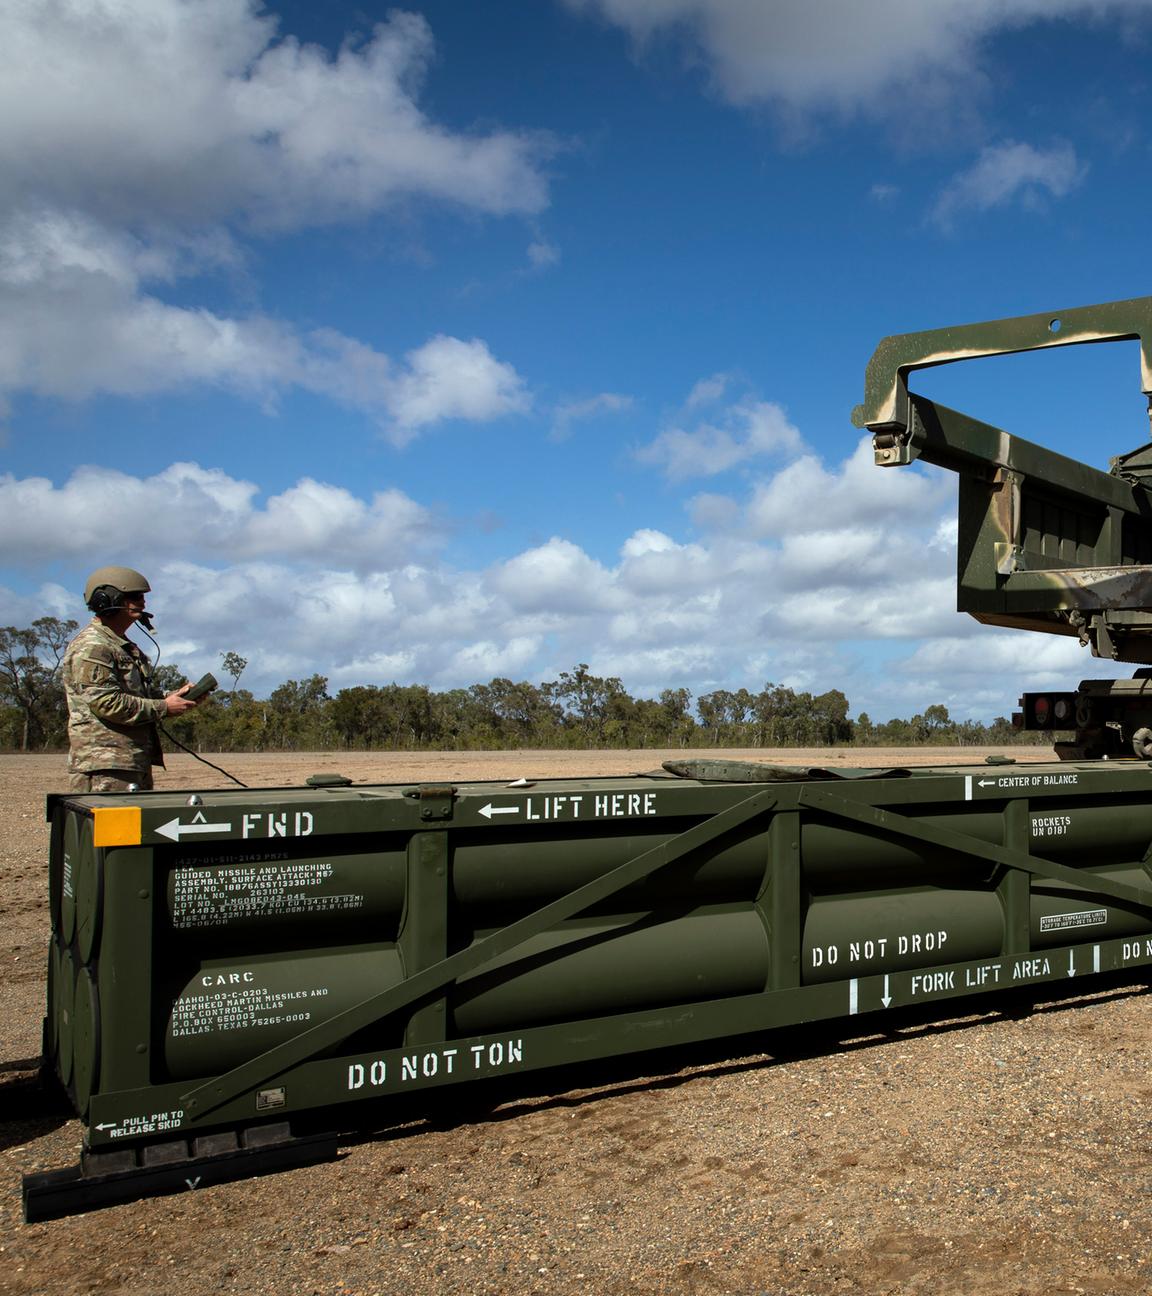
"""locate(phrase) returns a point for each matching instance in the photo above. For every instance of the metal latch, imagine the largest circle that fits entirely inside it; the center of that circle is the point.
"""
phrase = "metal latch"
(435, 799)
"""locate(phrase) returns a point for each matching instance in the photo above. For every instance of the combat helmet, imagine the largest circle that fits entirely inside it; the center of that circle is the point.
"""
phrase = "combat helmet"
(107, 586)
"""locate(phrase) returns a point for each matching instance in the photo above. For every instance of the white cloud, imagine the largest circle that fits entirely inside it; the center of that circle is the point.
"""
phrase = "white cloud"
(1039, 659)
(654, 563)
(149, 141)
(1007, 173)
(748, 430)
(806, 497)
(488, 659)
(49, 599)
(642, 543)
(373, 668)
(163, 111)
(316, 579)
(312, 519)
(542, 254)
(906, 607)
(713, 512)
(831, 554)
(708, 390)
(570, 412)
(557, 577)
(88, 326)
(448, 378)
(840, 54)
(982, 670)
(189, 509)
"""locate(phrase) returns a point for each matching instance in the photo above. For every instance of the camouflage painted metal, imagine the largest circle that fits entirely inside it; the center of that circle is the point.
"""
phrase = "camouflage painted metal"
(1045, 543)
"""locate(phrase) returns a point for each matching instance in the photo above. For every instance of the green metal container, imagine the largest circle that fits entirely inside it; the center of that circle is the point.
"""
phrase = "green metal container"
(86, 1043)
(260, 954)
(591, 968)
(73, 828)
(231, 1011)
(51, 1019)
(230, 898)
(61, 1013)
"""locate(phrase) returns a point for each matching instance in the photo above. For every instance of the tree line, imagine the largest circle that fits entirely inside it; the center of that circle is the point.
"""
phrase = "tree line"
(577, 710)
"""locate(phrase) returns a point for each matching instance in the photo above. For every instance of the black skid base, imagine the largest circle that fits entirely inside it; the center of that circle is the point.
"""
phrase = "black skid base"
(125, 1175)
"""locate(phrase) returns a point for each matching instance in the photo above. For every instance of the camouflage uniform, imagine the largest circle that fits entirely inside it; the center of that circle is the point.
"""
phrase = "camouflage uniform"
(113, 707)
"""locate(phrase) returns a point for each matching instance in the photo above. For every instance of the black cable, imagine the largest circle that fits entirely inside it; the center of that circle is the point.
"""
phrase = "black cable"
(176, 741)
(155, 645)
(196, 756)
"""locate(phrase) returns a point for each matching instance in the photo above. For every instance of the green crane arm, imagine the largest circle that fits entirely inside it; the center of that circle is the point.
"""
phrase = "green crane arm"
(886, 404)
(1045, 543)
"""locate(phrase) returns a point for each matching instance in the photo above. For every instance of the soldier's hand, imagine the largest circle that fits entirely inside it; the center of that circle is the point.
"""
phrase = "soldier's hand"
(177, 703)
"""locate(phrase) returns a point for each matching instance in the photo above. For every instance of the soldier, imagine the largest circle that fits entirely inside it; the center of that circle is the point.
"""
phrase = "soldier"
(113, 705)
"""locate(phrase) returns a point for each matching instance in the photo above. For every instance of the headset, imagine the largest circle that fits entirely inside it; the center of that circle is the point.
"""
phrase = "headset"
(107, 598)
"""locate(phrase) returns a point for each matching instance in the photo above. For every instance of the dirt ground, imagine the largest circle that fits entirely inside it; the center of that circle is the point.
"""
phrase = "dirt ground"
(1005, 1153)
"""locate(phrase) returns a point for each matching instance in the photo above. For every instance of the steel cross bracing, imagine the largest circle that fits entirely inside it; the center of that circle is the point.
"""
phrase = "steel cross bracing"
(199, 1102)
(208, 1097)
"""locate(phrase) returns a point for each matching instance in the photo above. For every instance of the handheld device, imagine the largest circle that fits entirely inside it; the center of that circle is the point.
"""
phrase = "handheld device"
(203, 686)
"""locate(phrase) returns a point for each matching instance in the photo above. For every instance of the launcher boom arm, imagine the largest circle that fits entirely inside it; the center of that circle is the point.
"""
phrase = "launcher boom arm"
(1045, 543)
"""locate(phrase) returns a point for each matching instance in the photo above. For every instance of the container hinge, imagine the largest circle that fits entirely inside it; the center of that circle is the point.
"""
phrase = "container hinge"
(435, 799)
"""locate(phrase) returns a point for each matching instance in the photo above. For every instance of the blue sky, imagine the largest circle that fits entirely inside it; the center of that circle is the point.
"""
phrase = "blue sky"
(464, 340)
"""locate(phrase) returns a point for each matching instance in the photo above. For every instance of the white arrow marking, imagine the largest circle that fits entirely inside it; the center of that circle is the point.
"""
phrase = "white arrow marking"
(1071, 962)
(885, 998)
(111, 1125)
(193, 1182)
(174, 829)
(987, 783)
(489, 810)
